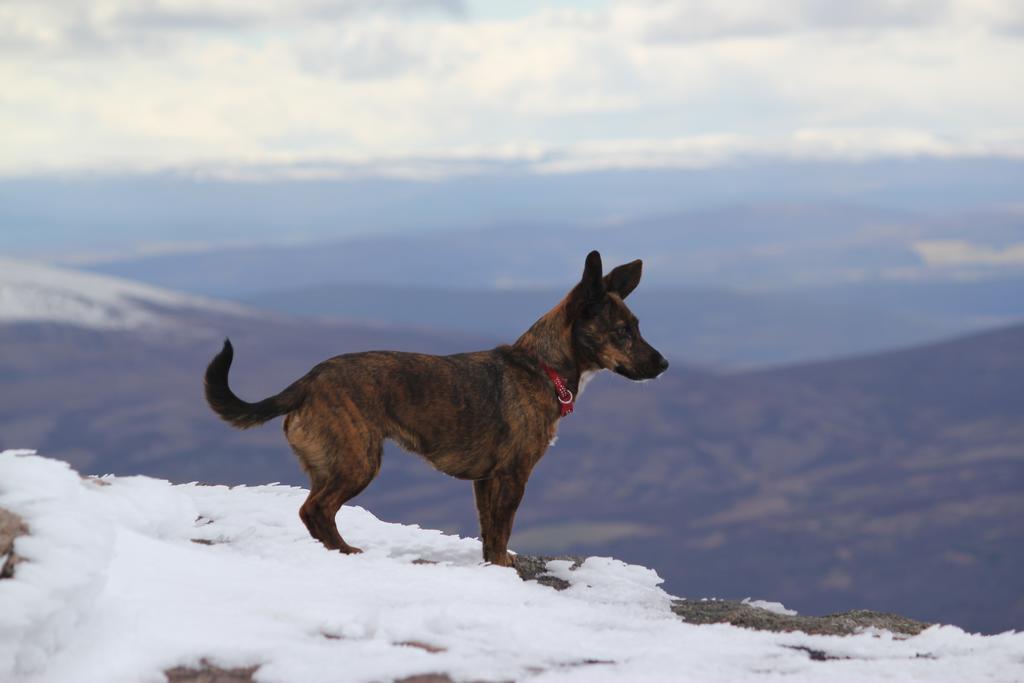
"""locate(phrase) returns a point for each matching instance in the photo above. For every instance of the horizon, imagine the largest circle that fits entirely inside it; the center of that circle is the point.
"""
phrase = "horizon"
(940, 219)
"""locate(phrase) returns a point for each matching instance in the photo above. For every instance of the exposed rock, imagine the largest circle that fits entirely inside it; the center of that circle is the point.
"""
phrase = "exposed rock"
(815, 655)
(210, 673)
(535, 568)
(748, 616)
(11, 526)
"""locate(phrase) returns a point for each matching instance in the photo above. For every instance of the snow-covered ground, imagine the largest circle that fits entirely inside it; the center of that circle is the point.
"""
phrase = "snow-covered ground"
(114, 588)
(40, 293)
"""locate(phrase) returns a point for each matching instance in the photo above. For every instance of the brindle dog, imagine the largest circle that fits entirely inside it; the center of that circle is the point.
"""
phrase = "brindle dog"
(486, 416)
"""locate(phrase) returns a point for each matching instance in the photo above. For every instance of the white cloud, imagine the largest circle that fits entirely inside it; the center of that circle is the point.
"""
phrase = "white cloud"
(420, 85)
(71, 26)
(955, 253)
(687, 20)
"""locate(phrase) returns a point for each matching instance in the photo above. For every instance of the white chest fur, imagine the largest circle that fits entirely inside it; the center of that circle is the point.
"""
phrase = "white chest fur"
(585, 378)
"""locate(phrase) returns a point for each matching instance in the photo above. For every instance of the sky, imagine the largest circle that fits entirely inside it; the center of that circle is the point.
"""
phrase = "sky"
(306, 88)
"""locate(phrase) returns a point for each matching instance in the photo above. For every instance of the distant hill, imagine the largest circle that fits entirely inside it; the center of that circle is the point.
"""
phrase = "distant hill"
(984, 302)
(733, 285)
(107, 373)
(771, 244)
(716, 328)
(121, 216)
(892, 481)
(37, 293)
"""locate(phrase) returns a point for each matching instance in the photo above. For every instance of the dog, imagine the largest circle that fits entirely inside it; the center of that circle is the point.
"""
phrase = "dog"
(487, 416)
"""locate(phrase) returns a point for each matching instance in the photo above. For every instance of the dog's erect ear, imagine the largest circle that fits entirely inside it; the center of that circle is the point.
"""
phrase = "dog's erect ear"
(587, 295)
(592, 270)
(624, 279)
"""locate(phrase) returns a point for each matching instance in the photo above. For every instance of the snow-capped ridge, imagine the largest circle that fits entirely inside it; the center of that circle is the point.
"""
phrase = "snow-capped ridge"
(32, 292)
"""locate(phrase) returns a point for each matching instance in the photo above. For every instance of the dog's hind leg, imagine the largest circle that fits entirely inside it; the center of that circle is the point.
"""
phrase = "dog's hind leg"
(319, 525)
(338, 472)
(319, 512)
(497, 500)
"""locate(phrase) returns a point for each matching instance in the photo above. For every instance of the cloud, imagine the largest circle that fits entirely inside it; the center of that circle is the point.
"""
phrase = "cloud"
(956, 253)
(624, 154)
(75, 26)
(421, 87)
(669, 21)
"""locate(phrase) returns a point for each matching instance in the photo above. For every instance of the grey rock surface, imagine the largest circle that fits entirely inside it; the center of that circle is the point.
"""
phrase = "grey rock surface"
(748, 616)
(534, 568)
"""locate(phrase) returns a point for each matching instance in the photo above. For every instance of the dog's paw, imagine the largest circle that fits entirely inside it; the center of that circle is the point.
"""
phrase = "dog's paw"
(351, 550)
(503, 560)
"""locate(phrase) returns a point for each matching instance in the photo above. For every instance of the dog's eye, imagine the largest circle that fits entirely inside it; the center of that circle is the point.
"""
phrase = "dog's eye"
(623, 333)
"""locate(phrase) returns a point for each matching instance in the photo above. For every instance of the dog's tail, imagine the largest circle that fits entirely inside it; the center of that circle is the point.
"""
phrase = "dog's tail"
(234, 410)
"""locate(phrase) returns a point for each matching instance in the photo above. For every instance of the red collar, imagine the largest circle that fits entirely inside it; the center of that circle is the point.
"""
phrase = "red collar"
(565, 399)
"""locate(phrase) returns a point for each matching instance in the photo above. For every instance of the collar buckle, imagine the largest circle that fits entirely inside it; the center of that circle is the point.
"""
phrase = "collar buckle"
(562, 393)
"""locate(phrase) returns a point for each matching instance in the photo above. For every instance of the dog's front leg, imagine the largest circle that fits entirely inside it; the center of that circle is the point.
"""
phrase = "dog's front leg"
(497, 499)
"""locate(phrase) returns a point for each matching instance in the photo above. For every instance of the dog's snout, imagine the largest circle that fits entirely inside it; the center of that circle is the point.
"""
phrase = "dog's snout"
(662, 363)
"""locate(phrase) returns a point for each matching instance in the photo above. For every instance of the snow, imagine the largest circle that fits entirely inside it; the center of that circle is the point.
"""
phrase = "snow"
(31, 292)
(113, 588)
(776, 607)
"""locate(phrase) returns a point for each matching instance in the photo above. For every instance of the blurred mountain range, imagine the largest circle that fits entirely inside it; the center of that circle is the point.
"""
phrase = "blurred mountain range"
(764, 247)
(89, 218)
(733, 286)
(711, 328)
(889, 481)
